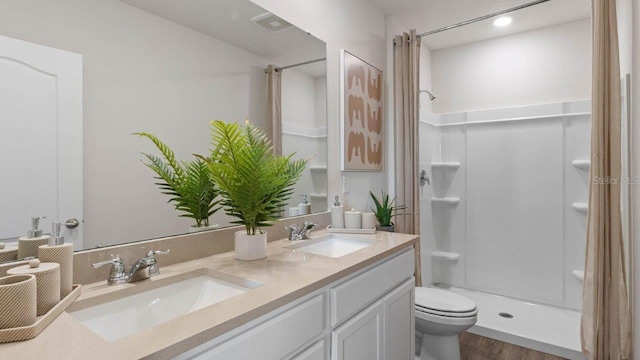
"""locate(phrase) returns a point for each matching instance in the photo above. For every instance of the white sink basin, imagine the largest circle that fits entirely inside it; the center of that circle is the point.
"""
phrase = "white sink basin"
(130, 314)
(332, 245)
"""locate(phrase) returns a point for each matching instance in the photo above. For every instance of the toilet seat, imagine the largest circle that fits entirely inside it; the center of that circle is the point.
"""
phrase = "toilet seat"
(443, 303)
(446, 313)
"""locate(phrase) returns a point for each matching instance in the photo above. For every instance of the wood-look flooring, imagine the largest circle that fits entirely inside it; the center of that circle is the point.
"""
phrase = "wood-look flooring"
(474, 347)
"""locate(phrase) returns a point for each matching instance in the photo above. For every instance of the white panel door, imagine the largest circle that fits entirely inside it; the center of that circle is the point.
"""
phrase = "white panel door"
(361, 337)
(40, 137)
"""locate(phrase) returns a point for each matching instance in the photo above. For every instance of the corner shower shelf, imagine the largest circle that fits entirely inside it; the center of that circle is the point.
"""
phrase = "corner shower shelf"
(446, 201)
(580, 207)
(318, 168)
(447, 256)
(581, 164)
(453, 165)
(579, 274)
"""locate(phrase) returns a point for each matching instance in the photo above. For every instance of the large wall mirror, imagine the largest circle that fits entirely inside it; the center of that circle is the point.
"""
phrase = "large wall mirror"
(157, 66)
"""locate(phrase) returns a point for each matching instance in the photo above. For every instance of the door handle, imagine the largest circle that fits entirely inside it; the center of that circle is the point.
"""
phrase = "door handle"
(72, 223)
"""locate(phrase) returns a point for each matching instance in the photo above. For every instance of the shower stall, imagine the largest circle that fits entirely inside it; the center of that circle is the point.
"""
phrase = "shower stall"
(505, 128)
(504, 220)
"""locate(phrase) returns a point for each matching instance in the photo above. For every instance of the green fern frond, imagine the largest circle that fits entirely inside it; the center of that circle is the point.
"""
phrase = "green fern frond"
(188, 183)
(253, 182)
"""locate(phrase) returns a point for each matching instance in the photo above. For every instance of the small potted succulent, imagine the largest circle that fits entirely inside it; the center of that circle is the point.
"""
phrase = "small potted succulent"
(188, 184)
(254, 182)
(384, 211)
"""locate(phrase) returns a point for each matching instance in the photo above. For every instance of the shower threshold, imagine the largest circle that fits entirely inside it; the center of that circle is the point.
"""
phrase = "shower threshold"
(544, 328)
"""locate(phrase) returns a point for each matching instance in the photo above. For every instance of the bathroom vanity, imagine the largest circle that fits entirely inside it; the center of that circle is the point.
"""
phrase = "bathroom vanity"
(332, 297)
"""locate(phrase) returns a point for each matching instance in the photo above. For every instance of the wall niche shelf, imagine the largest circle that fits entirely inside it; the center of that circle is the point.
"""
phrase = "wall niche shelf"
(581, 164)
(318, 196)
(439, 165)
(580, 207)
(445, 201)
(579, 274)
(444, 255)
(318, 168)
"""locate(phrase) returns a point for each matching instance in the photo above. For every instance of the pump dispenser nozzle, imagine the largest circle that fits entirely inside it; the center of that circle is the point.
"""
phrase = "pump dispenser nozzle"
(56, 239)
(35, 232)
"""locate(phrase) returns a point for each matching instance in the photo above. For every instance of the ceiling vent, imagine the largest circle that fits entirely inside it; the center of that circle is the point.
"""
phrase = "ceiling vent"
(271, 22)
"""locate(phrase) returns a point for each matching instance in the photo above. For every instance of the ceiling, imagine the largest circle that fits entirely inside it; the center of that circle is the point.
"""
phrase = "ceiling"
(425, 15)
(229, 21)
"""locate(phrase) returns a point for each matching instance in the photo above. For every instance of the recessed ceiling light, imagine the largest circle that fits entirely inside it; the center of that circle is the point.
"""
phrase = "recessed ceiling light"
(502, 21)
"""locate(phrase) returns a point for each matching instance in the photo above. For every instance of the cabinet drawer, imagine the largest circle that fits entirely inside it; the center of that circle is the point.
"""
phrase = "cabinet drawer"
(315, 352)
(277, 338)
(355, 294)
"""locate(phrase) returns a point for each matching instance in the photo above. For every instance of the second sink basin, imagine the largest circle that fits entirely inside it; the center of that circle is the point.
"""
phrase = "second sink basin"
(332, 245)
(129, 314)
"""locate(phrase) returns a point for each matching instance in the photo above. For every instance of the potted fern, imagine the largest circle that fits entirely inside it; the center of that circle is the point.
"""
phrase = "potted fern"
(384, 211)
(254, 182)
(188, 184)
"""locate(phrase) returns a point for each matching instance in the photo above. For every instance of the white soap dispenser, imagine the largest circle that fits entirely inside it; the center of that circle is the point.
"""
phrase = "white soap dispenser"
(337, 214)
(28, 245)
(304, 206)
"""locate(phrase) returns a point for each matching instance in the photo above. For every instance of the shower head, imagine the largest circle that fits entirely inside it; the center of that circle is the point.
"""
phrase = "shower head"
(431, 96)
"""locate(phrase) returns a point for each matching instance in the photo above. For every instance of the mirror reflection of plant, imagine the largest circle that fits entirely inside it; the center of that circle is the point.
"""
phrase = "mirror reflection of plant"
(254, 183)
(385, 210)
(187, 182)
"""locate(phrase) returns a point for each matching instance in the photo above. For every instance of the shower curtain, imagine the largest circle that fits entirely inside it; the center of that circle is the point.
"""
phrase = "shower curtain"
(406, 90)
(606, 318)
(274, 107)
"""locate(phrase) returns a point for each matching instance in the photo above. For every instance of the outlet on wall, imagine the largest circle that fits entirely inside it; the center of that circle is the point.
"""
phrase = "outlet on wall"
(346, 184)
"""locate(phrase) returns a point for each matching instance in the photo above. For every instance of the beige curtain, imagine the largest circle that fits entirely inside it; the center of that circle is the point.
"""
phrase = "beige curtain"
(406, 90)
(606, 319)
(274, 107)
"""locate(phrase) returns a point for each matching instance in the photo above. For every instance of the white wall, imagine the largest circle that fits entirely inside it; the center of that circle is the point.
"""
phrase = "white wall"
(359, 27)
(546, 65)
(141, 73)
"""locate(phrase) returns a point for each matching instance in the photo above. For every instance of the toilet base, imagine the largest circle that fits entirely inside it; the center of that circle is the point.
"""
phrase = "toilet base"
(439, 347)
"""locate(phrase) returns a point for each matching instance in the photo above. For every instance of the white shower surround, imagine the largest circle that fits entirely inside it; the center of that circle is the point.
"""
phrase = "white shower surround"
(304, 132)
(515, 226)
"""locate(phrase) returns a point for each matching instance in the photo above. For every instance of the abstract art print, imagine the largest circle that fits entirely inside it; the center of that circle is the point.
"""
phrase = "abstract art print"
(361, 124)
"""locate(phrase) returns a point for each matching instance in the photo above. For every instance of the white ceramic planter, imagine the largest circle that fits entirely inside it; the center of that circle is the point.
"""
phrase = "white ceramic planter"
(250, 247)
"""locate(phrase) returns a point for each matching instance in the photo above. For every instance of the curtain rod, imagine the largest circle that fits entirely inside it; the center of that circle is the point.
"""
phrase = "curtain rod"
(523, 6)
(300, 64)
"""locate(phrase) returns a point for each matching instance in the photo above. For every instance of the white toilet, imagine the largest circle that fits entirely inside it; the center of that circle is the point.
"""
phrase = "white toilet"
(440, 317)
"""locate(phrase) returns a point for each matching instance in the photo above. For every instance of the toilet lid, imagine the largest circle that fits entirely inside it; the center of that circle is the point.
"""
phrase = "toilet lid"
(443, 301)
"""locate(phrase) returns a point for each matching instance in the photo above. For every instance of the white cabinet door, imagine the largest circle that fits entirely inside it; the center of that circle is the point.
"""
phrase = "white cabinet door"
(315, 352)
(40, 137)
(360, 338)
(399, 323)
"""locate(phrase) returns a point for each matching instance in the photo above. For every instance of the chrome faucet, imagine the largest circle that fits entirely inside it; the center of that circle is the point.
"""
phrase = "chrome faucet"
(140, 270)
(297, 232)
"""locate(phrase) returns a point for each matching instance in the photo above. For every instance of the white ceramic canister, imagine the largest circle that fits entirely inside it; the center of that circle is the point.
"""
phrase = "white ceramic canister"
(353, 219)
(368, 220)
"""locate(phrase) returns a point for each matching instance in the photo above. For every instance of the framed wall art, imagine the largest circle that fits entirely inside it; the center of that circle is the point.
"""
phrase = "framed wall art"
(362, 137)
